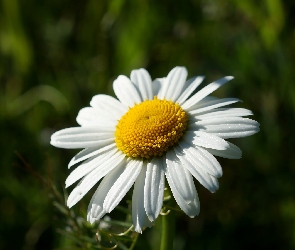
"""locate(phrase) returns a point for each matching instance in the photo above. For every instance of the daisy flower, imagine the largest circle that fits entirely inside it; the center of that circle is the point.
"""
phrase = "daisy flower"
(155, 129)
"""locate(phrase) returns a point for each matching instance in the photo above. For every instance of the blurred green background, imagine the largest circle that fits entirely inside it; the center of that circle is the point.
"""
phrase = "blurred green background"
(55, 55)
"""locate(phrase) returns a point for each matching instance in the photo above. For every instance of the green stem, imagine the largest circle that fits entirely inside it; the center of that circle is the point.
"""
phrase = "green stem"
(134, 242)
(168, 231)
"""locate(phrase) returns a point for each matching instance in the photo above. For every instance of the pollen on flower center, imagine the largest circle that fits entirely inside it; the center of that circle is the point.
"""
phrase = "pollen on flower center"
(148, 129)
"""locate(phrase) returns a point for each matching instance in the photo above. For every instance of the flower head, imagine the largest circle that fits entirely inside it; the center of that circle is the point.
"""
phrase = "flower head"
(157, 128)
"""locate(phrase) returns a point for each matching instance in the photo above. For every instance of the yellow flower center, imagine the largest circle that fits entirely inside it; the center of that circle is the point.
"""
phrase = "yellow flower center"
(148, 129)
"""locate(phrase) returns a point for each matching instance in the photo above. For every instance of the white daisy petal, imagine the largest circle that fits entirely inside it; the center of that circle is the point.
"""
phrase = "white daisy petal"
(201, 158)
(89, 117)
(215, 182)
(82, 137)
(89, 152)
(84, 155)
(207, 99)
(206, 91)
(110, 105)
(142, 79)
(179, 176)
(211, 162)
(192, 85)
(233, 152)
(157, 85)
(154, 188)
(147, 222)
(173, 84)
(228, 120)
(95, 208)
(202, 176)
(208, 104)
(138, 211)
(89, 165)
(230, 127)
(192, 207)
(205, 140)
(122, 185)
(93, 177)
(223, 113)
(126, 91)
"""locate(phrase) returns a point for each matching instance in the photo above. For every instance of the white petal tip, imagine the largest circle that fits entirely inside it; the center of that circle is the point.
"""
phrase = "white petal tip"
(71, 163)
(229, 78)
(138, 230)
(121, 77)
(70, 204)
(179, 67)
(151, 218)
(213, 190)
(52, 142)
(92, 220)
(73, 198)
